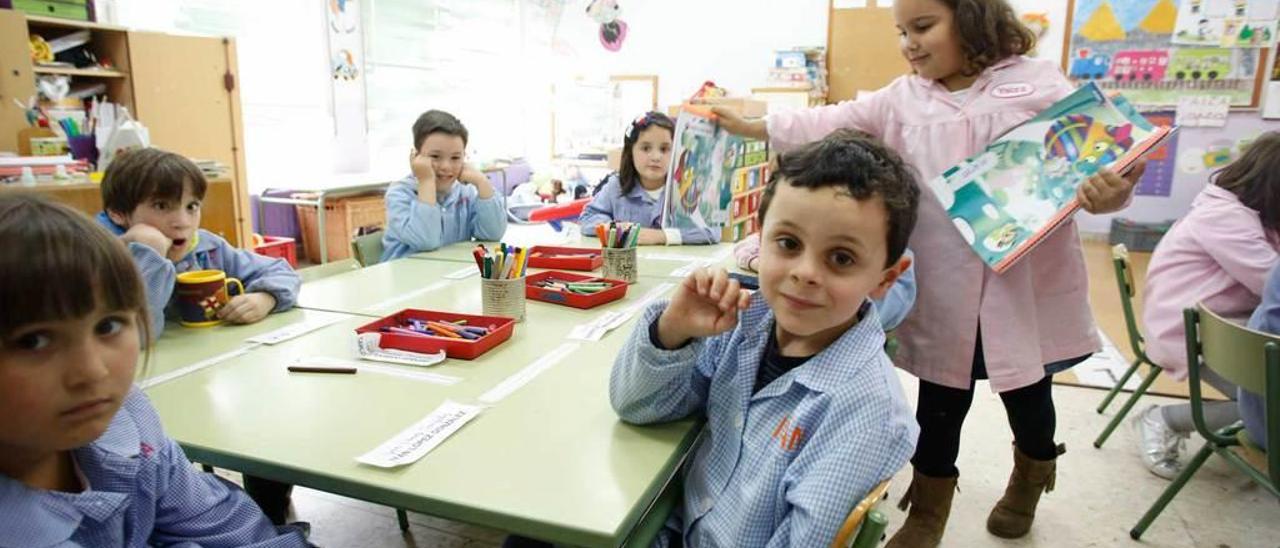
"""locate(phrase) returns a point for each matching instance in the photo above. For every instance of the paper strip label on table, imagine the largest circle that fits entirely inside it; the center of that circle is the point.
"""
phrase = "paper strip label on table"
(607, 321)
(368, 348)
(293, 330)
(686, 270)
(161, 379)
(463, 273)
(522, 377)
(363, 367)
(414, 442)
(381, 305)
(657, 256)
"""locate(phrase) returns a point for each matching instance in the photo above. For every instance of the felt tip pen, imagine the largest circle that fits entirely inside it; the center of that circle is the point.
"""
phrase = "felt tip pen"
(320, 369)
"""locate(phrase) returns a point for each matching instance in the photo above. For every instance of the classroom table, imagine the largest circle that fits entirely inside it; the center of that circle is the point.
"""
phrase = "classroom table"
(379, 287)
(181, 346)
(551, 460)
(652, 261)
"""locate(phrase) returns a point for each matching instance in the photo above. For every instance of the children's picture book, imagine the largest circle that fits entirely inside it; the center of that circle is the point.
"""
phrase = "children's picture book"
(703, 159)
(1009, 197)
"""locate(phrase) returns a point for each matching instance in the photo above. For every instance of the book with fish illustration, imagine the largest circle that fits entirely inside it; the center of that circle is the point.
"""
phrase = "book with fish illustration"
(703, 159)
(1013, 194)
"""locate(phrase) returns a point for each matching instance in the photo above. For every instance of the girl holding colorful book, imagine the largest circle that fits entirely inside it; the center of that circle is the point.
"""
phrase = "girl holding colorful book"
(636, 193)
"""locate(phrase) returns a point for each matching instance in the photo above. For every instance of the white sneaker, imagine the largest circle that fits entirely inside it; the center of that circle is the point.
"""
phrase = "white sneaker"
(1159, 446)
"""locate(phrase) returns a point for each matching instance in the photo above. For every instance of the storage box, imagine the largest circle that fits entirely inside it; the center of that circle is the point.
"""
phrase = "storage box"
(79, 10)
(279, 247)
(617, 290)
(343, 217)
(1138, 236)
(500, 329)
(541, 256)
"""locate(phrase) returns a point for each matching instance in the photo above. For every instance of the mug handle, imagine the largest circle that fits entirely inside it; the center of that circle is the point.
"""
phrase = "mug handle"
(236, 282)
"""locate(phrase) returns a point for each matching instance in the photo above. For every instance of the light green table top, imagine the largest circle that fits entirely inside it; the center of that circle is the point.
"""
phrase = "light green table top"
(552, 460)
(654, 261)
(180, 346)
(380, 287)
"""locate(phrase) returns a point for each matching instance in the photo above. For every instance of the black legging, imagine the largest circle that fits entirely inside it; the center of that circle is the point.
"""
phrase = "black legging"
(941, 411)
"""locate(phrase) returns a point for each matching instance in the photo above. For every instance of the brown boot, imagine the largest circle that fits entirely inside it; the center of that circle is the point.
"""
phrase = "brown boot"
(1012, 516)
(930, 501)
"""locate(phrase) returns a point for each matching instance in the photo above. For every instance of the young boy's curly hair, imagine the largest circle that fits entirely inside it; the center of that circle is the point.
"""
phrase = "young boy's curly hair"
(862, 166)
(989, 32)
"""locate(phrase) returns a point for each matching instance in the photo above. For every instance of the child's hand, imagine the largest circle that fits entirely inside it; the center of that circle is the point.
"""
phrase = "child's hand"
(247, 308)
(1106, 192)
(474, 177)
(705, 304)
(734, 123)
(149, 236)
(421, 166)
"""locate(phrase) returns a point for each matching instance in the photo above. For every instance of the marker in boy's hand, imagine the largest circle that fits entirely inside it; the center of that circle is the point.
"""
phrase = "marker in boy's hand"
(149, 236)
(247, 308)
(705, 304)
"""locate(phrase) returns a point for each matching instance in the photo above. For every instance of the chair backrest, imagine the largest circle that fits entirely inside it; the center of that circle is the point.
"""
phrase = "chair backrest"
(367, 249)
(1248, 358)
(851, 524)
(320, 271)
(1124, 280)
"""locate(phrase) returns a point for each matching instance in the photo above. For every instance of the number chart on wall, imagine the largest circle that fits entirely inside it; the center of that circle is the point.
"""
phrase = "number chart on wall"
(1139, 48)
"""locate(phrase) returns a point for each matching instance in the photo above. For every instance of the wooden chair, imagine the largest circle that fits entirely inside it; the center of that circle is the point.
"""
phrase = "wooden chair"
(1249, 359)
(367, 249)
(321, 271)
(1124, 279)
(865, 525)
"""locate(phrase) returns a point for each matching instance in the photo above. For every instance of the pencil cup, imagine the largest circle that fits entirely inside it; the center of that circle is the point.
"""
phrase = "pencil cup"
(620, 264)
(503, 297)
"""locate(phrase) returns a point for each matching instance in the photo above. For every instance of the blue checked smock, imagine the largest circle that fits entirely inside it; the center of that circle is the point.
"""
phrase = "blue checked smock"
(140, 491)
(256, 272)
(782, 467)
(413, 226)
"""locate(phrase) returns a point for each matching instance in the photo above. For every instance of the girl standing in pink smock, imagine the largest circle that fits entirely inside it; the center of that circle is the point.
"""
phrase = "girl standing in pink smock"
(970, 84)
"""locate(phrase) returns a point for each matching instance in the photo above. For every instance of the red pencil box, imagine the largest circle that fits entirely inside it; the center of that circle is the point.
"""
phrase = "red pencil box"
(500, 329)
(617, 290)
(565, 258)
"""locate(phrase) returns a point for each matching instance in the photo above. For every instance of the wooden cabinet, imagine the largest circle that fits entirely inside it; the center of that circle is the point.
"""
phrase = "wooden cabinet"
(182, 88)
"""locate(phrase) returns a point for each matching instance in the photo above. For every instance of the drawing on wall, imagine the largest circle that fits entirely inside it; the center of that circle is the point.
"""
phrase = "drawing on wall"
(1226, 23)
(1157, 180)
(1127, 46)
(346, 62)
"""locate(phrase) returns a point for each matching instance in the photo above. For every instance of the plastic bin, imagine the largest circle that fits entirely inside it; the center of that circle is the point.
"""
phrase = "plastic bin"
(279, 247)
(1138, 236)
(343, 218)
(500, 329)
(567, 258)
(617, 290)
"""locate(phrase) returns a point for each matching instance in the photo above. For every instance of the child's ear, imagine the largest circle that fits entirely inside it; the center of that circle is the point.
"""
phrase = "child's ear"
(891, 275)
(118, 218)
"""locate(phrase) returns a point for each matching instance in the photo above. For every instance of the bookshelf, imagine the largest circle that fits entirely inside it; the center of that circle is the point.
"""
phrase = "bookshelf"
(182, 88)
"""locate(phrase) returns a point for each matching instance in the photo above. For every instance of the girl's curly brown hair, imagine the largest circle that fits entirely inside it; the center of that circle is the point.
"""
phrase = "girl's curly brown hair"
(989, 32)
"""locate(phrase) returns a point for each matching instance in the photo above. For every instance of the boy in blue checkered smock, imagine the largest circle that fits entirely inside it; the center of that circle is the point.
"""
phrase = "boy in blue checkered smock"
(804, 410)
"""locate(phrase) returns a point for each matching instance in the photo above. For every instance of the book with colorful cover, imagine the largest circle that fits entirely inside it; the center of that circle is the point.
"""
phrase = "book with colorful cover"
(1008, 198)
(699, 180)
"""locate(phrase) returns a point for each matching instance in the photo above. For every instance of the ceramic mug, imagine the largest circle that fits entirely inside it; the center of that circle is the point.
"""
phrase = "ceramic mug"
(200, 294)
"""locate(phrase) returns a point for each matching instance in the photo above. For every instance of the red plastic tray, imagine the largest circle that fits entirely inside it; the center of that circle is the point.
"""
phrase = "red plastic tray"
(500, 329)
(532, 291)
(541, 256)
